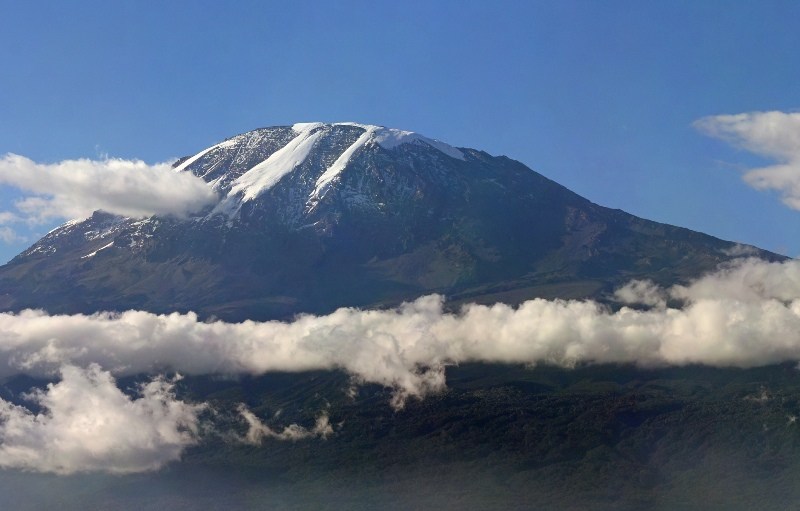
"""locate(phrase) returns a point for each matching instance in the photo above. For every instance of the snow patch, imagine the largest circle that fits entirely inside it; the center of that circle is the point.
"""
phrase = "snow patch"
(324, 181)
(359, 125)
(263, 176)
(389, 138)
(92, 254)
(142, 230)
(106, 229)
(66, 225)
(222, 145)
(303, 127)
(43, 249)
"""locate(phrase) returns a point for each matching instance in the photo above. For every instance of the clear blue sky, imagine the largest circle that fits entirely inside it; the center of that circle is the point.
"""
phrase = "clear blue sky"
(599, 96)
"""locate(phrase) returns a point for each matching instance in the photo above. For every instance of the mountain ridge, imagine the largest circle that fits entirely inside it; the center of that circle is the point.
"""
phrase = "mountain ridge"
(316, 216)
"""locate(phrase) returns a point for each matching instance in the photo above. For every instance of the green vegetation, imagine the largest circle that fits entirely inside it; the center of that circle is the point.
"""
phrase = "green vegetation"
(603, 437)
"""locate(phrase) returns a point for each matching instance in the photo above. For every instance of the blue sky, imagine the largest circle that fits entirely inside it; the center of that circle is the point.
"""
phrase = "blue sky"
(602, 97)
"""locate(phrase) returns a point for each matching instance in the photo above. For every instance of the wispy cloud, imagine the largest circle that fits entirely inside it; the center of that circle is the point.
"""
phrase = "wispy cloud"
(87, 424)
(257, 431)
(9, 235)
(76, 188)
(775, 135)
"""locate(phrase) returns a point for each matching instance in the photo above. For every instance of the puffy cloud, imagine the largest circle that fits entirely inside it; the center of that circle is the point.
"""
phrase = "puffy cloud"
(257, 431)
(76, 188)
(644, 292)
(749, 280)
(745, 315)
(87, 424)
(775, 135)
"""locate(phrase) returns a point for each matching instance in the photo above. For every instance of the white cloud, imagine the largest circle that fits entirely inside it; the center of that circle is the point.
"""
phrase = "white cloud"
(7, 217)
(257, 431)
(643, 292)
(745, 315)
(751, 281)
(76, 188)
(775, 135)
(741, 250)
(87, 424)
(9, 235)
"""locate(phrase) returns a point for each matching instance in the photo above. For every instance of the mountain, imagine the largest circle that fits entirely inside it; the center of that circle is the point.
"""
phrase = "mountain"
(311, 217)
(316, 216)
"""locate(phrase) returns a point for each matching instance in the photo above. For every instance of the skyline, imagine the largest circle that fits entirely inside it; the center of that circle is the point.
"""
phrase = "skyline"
(611, 100)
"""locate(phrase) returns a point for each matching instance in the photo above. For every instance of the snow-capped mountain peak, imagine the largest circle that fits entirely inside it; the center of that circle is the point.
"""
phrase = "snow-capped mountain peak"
(316, 216)
(286, 150)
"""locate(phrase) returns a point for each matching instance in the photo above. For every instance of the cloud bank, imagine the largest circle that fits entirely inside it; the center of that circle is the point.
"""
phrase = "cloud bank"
(76, 188)
(88, 424)
(745, 314)
(774, 135)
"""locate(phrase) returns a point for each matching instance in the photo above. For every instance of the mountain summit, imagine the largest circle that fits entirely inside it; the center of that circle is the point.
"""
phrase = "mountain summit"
(316, 216)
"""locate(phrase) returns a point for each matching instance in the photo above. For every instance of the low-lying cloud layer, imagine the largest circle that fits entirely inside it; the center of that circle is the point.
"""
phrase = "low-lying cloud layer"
(76, 188)
(775, 135)
(746, 314)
